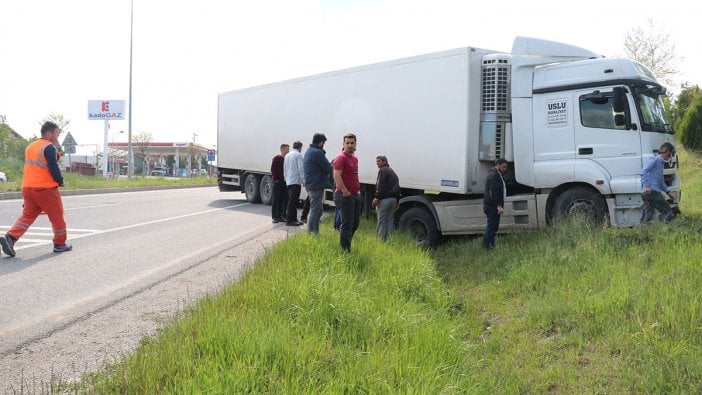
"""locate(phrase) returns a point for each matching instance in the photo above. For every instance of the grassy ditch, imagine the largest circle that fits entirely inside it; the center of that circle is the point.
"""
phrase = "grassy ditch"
(568, 309)
(310, 319)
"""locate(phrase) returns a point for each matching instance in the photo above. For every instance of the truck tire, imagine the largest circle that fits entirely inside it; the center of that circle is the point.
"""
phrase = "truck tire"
(582, 202)
(420, 225)
(251, 188)
(266, 190)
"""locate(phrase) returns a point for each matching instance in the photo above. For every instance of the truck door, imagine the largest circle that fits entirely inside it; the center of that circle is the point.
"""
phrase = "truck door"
(598, 138)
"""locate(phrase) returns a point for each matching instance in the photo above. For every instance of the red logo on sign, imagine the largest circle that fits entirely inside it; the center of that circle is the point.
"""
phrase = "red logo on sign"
(105, 106)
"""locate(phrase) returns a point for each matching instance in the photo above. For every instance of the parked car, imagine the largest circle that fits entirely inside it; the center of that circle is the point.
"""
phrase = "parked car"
(84, 168)
(159, 171)
(3, 177)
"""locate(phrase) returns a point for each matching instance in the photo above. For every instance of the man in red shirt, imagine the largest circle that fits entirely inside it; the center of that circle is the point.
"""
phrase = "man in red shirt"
(346, 195)
(280, 193)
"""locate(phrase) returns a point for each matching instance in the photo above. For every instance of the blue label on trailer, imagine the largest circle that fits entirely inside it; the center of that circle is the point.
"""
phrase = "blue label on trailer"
(449, 183)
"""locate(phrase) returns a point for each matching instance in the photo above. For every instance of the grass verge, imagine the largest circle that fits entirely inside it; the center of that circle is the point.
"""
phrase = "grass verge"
(309, 318)
(79, 181)
(568, 309)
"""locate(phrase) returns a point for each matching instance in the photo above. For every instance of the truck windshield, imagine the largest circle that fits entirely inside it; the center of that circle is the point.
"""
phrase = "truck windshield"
(650, 105)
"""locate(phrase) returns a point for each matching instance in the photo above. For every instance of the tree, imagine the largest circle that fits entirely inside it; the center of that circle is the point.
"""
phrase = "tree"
(58, 119)
(683, 100)
(651, 47)
(11, 148)
(142, 141)
(690, 132)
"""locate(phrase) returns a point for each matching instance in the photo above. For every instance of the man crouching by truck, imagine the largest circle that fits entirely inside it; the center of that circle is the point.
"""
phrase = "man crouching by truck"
(494, 201)
(653, 184)
(346, 195)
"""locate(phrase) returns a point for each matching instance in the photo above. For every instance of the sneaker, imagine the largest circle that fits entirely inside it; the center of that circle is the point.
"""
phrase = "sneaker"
(62, 247)
(296, 223)
(276, 220)
(8, 245)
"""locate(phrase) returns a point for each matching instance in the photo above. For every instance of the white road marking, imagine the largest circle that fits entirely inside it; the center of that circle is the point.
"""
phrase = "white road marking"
(90, 232)
(97, 205)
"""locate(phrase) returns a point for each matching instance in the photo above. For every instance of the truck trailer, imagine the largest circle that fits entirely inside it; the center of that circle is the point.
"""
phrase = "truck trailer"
(575, 127)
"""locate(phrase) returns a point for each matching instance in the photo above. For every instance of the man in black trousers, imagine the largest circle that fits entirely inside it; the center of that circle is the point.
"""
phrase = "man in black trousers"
(280, 192)
(494, 201)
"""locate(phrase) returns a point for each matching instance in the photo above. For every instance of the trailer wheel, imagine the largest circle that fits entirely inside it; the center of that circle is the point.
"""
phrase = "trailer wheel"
(266, 190)
(582, 202)
(251, 188)
(420, 225)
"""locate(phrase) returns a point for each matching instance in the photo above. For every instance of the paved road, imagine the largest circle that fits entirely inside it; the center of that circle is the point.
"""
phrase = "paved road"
(125, 245)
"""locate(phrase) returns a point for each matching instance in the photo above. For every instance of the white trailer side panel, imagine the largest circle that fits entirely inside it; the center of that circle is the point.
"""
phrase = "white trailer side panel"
(418, 111)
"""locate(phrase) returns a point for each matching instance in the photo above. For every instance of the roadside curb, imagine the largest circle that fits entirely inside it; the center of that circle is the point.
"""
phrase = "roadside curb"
(73, 192)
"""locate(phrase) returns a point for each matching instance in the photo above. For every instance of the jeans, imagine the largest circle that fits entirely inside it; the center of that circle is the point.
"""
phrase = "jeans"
(655, 201)
(385, 211)
(316, 199)
(493, 224)
(280, 200)
(350, 208)
(293, 200)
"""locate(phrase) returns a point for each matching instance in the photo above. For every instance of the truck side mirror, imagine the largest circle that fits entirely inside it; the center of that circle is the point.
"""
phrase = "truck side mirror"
(620, 106)
(619, 102)
(619, 120)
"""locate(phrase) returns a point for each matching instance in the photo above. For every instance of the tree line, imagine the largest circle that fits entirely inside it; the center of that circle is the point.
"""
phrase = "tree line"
(652, 47)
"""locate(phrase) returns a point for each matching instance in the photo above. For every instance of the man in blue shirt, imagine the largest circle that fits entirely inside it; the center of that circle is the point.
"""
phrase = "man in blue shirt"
(653, 184)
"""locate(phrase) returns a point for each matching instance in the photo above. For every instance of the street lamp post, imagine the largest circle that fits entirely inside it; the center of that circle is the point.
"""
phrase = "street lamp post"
(130, 152)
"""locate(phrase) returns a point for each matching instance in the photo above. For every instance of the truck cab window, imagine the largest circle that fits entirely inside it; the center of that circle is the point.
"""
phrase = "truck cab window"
(598, 113)
(649, 100)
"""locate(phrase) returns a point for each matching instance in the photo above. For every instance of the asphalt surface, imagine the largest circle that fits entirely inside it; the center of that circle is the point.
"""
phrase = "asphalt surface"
(138, 258)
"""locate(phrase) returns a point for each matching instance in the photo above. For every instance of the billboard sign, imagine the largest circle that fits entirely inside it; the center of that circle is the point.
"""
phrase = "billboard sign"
(106, 110)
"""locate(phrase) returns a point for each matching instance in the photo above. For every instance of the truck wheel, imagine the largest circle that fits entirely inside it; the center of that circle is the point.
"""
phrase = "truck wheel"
(251, 188)
(419, 223)
(266, 190)
(582, 202)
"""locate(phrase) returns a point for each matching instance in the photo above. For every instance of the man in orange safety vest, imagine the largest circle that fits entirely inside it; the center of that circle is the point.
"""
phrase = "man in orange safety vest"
(40, 183)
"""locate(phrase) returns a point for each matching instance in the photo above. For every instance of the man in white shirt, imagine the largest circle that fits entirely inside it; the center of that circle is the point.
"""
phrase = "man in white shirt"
(294, 179)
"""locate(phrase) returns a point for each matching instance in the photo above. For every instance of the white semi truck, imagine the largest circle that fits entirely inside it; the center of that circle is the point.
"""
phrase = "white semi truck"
(575, 126)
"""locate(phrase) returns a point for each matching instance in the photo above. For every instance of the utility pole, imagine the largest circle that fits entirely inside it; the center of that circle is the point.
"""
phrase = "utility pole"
(130, 151)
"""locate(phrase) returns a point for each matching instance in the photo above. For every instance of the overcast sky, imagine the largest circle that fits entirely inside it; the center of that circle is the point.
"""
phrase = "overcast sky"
(57, 55)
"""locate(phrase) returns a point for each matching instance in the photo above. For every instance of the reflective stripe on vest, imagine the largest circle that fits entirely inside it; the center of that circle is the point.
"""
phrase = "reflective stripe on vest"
(41, 162)
(36, 169)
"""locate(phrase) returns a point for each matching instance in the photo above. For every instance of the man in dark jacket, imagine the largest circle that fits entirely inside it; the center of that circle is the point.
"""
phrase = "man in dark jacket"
(387, 195)
(494, 201)
(280, 192)
(317, 170)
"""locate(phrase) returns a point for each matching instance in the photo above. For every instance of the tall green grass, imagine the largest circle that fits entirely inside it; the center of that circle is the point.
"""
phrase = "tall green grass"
(574, 309)
(568, 309)
(310, 318)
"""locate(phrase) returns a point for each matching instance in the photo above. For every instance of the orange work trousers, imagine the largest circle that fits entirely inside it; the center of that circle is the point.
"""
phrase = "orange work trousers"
(37, 200)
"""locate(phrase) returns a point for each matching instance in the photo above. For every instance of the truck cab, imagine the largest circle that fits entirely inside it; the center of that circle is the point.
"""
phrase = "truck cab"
(595, 124)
